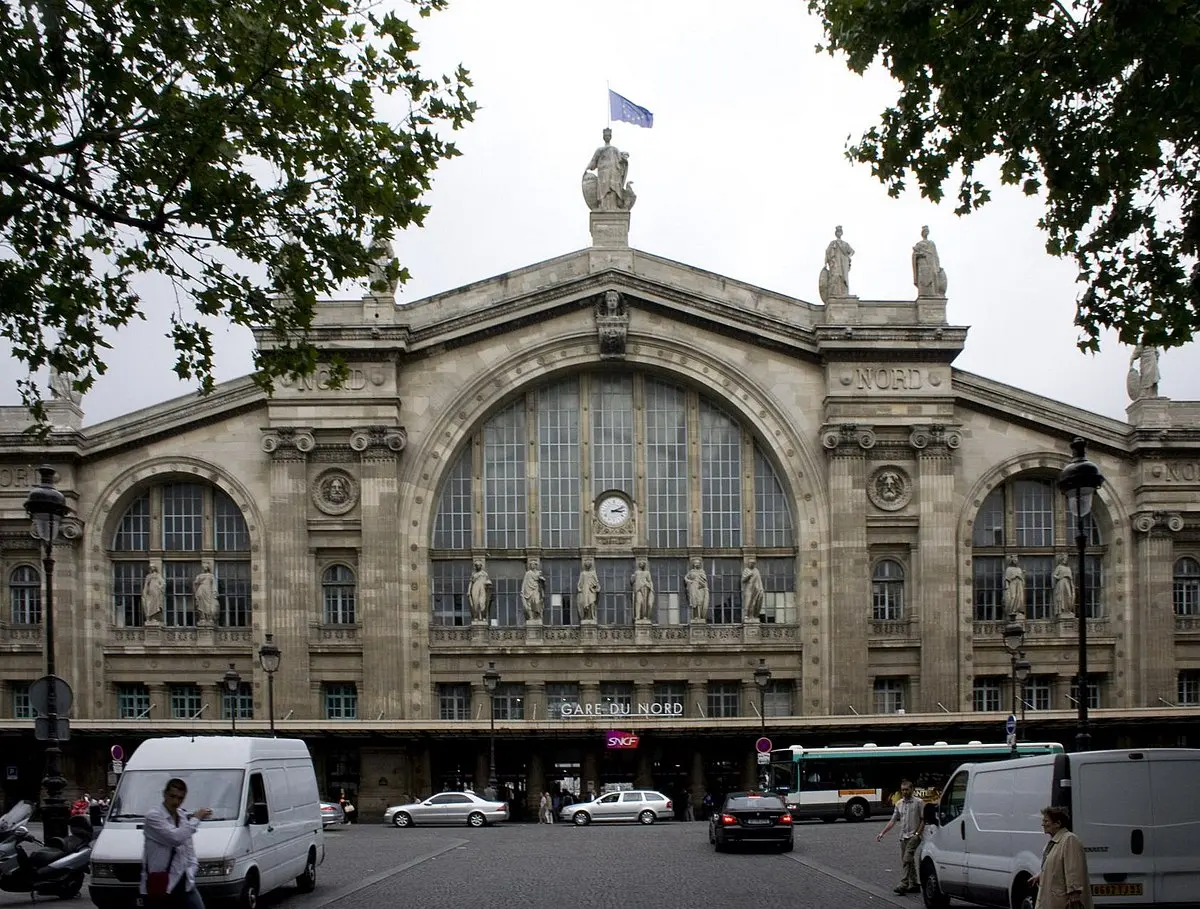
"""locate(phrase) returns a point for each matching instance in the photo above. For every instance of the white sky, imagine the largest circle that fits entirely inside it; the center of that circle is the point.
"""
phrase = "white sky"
(743, 174)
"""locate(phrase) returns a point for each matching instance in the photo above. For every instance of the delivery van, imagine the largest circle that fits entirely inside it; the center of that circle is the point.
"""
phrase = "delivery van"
(1137, 813)
(265, 830)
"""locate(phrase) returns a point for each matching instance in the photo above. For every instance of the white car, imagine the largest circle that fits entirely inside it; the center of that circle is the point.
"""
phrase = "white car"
(642, 805)
(448, 808)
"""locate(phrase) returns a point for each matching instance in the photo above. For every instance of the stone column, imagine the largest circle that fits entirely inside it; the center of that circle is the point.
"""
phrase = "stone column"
(933, 609)
(289, 590)
(481, 702)
(1151, 642)
(481, 769)
(589, 693)
(697, 782)
(160, 702)
(750, 770)
(535, 782)
(535, 701)
(697, 694)
(591, 771)
(643, 693)
(749, 698)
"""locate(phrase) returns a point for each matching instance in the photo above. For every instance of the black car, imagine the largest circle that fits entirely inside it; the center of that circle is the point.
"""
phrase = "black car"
(751, 817)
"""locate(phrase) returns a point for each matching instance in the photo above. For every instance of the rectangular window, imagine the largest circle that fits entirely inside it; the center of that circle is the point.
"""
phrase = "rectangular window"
(558, 463)
(448, 583)
(1033, 512)
(724, 699)
(341, 701)
(616, 695)
(720, 479)
(562, 579)
(243, 701)
(1189, 688)
(183, 517)
(779, 586)
(1094, 595)
(127, 593)
(1095, 692)
(725, 591)
(22, 707)
(772, 516)
(508, 703)
(504, 478)
(1037, 694)
(454, 702)
(887, 591)
(233, 594)
(777, 699)
(508, 609)
(668, 694)
(452, 530)
(133, 533)
(612, 434)
(560, 694)
(1039, 586)
(25, 596)
(180, 610)
(616, 603)
(988, 586)
(985, 694)
(666, 466)
(185, 702)
(133, 701)
(670, 593)
(889, 695)
(1186, 593)
(230, 533)
(989, 520)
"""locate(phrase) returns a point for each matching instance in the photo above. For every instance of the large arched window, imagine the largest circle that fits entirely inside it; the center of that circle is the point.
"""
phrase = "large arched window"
(25, 595)
(1027, 517)
(1186, 594)
(338, 594)
(680, 478)
(181, 528)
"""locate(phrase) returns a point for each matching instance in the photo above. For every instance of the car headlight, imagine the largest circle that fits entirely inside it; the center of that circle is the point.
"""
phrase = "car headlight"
(215, 869)
(103, 869)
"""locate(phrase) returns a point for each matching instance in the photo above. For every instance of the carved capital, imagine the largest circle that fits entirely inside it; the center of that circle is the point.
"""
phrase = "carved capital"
(288, 443)
(379, 439)
(848, 438)
(934, 436)
(1157, 522)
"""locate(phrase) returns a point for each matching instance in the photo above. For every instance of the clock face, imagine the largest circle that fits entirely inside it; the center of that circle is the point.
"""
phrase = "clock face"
(613, 510)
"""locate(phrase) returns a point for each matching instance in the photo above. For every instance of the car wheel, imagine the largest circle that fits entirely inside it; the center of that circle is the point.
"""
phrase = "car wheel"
(1024, 896)
(647, 817)
(858, 810)
(788, 846)
(581, 819)
(307, 881)
(249, 896)
(401, 819)
(931, 890)
(476, 819)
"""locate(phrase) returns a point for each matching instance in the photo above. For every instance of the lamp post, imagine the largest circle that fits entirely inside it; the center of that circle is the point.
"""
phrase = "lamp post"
(232, 682)
(491, 680)
(1079, 481)
(47, 507)
(1021, 669)
(762, 678)
(269, 657)
(1014, 639)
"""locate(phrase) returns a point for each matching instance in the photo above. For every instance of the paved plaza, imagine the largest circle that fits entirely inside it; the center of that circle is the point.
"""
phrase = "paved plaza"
(666, 866)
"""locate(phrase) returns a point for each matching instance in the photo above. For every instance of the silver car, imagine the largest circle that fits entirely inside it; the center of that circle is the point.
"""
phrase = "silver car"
(643, 805)
(448, 808)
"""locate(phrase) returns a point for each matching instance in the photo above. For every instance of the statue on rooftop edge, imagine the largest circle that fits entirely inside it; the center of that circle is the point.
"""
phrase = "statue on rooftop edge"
(608, 188)
(835, 276)
(1142, 381)
(928, 274)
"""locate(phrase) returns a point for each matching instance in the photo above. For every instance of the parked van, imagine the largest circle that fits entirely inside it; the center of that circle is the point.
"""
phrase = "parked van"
(265, 830)
(1136, 812)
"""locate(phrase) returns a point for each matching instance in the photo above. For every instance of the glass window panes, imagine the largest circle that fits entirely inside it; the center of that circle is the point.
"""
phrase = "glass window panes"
(1033, 512)
(1039, 586)
(508, 703)
(507, 606)
(720, 478)
(724, 699)
(504, 478)
(612, 434)
(562, 579)
(452, 527)
(233, 594)
(127, 593)
(1037, 694)
(989, 520)
(615, 606)
(670, 596)
(889, 695)
(772, 514)
(559, 694)
(1189, 688)
(668, 694)
(25, 595)
(454, 702)
(1094, 593)
(341, 701)
(230, 533)
(558, 463)
(1186, 589)
(887, 591)
(985, 694)
(777, 699)
(133, 531)
(338, 595)
(243, 702)
(180, 610)
(182, 517)
(22, 707)
(1095, 692)
(617, 695)
(133, 701)
(779, 590)
(988, 587)
(448, 587)
(666, 466)
(725, 591)
(185, 701)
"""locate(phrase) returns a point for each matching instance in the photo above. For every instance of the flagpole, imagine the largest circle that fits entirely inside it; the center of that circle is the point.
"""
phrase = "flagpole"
(608, 102)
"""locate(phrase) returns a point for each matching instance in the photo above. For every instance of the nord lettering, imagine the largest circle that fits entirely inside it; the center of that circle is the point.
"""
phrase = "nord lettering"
(356, 380)
(888, 378)
(568, 711)
(16, 476)
(1183, 471)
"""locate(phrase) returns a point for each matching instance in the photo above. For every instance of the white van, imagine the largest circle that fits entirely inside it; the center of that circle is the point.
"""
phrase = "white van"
(265, 829)
(1137, 813)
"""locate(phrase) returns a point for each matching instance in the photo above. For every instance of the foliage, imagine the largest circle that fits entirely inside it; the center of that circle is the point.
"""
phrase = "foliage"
(1095, 103)
(232, 146)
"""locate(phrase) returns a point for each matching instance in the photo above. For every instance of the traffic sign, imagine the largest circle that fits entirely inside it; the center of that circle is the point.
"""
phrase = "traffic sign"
(763, 745)
(39, 695)
(41, 729)
(764, 757)
(117, 767)
(117, 753)
(1010, 725)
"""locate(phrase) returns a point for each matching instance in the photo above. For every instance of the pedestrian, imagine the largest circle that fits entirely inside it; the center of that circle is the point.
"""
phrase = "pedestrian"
(707, 806)
(908, 815)
(544, 816)
(347, 807)
(689, 810)
(80, 807)
(169, 862)
(1063, 882)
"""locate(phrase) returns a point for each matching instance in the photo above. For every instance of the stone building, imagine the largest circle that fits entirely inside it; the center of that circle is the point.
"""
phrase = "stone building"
(613, 406)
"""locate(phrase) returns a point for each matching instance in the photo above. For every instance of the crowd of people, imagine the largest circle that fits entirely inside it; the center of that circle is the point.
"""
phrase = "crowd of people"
(93, 809)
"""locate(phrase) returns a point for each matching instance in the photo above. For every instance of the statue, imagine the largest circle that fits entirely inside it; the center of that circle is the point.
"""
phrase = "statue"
(835, 276)
(154, 595)
(612, 325)
(928, 274)
(1064, 588)
(1014, 588)
(589, 590)
(383, 251)
(533, 590)
(696, 584)
(1142, 381)
(62, 387)
(479, 592)
(752, 592)
(607, 189)
(204, 593)
(643, 592)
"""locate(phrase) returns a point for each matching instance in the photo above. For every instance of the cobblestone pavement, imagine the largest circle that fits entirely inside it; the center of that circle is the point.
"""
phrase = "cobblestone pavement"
(666, 866)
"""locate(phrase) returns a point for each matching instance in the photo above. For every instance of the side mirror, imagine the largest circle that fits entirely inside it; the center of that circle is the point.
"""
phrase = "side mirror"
(929, 815)
(259, 814)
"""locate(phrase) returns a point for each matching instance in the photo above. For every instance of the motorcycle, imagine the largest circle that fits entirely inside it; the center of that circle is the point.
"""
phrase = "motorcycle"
(56, 868)
(13, 830)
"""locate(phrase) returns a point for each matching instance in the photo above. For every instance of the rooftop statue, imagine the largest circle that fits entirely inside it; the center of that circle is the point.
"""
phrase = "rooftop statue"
(1142, 381)
(928, 274)
(608, 188)
(835, 276)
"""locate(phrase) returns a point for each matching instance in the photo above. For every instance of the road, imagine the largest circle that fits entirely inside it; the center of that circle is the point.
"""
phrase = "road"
(666, 866)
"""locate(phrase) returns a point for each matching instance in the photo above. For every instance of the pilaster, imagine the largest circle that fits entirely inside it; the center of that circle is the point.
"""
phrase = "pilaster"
(535, 701)
(697, 698)
(1152, 629)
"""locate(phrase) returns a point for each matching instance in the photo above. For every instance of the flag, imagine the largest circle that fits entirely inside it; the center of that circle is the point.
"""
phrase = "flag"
(621, 108)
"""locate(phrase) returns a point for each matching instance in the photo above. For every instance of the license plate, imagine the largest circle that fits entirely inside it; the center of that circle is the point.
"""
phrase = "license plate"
(758, 821)
(1116, 889)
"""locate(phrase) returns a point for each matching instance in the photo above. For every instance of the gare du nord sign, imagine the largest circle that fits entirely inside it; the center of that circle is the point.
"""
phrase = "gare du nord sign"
(572, 711)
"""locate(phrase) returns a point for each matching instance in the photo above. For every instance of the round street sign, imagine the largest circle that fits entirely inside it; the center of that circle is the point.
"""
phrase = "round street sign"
(1010, 725)
(117, 753)
(39, 695)
(763, 745)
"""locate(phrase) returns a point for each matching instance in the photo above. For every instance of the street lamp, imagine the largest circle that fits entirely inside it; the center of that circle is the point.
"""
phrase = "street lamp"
(1014, 640)
(1079, 481)
(1021, 669)
(491, 681)
(233, 683)
(47, 507)
(269, 657)
(762, 678)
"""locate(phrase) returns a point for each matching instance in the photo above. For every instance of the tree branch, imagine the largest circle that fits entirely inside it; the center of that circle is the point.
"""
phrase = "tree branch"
(156, 225)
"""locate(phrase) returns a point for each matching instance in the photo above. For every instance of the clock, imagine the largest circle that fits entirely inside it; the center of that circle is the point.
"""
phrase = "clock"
(613, 510)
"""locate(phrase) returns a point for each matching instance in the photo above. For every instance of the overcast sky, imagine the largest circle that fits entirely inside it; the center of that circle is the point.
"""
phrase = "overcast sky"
(743, 174)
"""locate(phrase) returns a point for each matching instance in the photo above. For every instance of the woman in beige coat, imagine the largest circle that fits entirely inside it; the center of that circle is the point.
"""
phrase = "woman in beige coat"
(1063, 882)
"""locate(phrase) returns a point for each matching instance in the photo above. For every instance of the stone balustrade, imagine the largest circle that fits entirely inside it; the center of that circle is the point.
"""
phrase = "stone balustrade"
(451, 636)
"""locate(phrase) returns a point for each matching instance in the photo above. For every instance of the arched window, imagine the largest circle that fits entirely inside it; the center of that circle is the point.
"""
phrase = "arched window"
(1186, 595)
(887, 591)
(680, 479)
(338, 593)
(1027, 517)
(181, 528)
(25, 595)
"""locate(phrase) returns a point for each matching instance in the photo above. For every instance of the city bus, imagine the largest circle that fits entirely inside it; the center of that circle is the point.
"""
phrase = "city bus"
(856, 780)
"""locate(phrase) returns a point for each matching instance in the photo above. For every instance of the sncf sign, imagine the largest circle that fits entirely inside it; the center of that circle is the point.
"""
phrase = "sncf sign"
(615, 738)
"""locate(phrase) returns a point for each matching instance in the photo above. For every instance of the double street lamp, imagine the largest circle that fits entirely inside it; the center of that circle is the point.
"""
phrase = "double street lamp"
(491, 681)
(1014, 642)
(1079, 481)
(269, 657)
(47, 507)
(233, 684)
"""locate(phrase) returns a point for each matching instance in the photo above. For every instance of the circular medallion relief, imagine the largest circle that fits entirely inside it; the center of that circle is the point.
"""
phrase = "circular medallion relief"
(335, 491)
(889, 489)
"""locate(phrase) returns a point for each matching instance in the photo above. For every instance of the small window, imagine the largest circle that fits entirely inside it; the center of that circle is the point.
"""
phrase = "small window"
(887, 591)
(258, 795)
(25, 595)
(1186, 594)
(954, 799)
(631, 797)
(339, 593)
(655, 797)
(22, 706)
(341, 701)
(610, 798)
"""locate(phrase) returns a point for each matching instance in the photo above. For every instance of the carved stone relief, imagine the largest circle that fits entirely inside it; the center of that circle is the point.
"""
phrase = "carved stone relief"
(923, 437)
(392, 438)
(889, 488)
(1146, 521)
(612, 325)
(334, 491)
(848, 434)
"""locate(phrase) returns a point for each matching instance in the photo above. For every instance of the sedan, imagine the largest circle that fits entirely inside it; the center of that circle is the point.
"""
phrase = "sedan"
(643, 805)
(448, 808)
(332, 814)
(751, 818)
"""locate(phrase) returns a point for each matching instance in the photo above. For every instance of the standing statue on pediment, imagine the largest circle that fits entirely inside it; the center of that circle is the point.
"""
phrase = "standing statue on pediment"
(154, 596)
(533, 590)
(204, 595)
(1014, 589)
(479, 591)
(643, 592)
(1143, 376)
(1064, 588)
(928, 274)
(608, 188)
(696, 583)
(588, 589)
(62, 387)
(753, 592)
(835, 276)
(383, 251)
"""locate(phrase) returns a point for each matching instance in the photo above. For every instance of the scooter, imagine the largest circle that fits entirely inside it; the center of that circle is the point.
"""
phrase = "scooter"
(13, 830)
(56, 868)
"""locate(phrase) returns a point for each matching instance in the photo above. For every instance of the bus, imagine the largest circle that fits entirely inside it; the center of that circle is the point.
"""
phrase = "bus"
(856, 780)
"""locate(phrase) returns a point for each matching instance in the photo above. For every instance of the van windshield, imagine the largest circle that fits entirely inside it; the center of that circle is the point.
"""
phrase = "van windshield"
(141, 790)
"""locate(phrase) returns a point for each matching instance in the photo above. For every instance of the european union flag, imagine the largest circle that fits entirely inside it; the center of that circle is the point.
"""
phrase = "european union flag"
(621, 108)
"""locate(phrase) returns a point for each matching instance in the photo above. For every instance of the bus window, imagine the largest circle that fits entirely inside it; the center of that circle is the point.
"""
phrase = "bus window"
(783, 776)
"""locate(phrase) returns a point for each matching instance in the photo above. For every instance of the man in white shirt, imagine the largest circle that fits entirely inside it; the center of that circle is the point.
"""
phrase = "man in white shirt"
(168, 846)
(909, 815)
